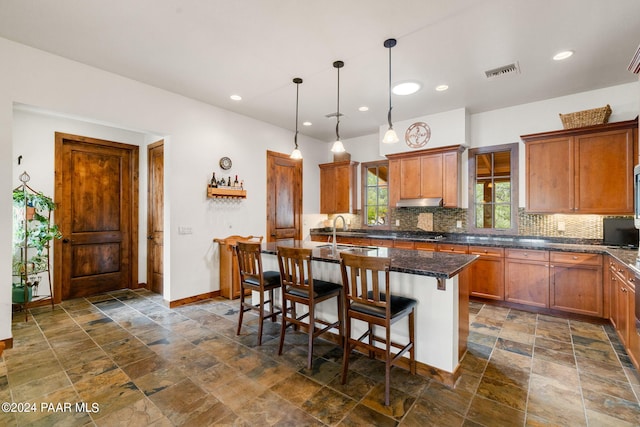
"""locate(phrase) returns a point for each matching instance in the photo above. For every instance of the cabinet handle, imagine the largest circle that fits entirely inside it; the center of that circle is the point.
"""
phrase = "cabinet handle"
(526, 254)
(575, 257)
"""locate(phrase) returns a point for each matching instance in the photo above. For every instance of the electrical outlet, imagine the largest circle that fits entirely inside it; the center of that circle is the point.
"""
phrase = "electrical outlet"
(397, 223)
(561, 225)
(458, 224)
(184, 230)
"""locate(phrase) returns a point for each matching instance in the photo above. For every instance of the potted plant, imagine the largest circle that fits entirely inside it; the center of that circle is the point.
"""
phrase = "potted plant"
(32, 235)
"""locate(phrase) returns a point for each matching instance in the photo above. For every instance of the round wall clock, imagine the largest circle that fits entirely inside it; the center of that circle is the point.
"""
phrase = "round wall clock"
(225, 163)
(417, 135)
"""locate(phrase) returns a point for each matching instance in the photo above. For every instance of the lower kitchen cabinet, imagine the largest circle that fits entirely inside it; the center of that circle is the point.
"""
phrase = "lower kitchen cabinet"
(623, 303)
(487, 273)
(576, 283)
(526, 277)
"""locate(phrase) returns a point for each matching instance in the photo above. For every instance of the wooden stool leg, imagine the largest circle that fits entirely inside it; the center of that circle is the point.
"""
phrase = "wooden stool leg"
(283, 327)
(261, 318)
(387, 366)
(412, 350)
(312, 323)
(241, 310)
(347, 349)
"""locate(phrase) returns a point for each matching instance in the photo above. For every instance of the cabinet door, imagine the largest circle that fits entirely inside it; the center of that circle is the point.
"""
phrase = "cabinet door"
(604, 172)
(576, 288)
(410, 178)
(623, 315)
(431, 175)
(343, 187)
(487, 273)
(451, 190)
(633, 346)
(453, 248)
(527, 282)
(327, 190)
(394, 182)
(550, 183)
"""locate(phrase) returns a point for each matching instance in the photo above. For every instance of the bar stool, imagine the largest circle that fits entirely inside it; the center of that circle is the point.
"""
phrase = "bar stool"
(252, 278)
(299, 287)
(366, 283)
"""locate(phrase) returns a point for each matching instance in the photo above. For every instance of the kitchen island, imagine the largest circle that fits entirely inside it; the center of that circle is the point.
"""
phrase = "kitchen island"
(435, 279)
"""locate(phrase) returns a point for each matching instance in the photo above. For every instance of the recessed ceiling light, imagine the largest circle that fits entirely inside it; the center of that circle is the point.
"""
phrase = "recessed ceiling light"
(363, 108)
(562, 55)
(306, 123)
(236, 97)
(441, 88)
(406, 88)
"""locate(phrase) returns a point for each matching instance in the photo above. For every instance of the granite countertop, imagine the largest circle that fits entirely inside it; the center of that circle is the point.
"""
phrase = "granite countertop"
(434, 264)
(624, 255)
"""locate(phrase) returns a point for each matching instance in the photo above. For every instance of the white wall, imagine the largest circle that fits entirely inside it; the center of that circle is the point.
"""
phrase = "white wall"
(196, 136)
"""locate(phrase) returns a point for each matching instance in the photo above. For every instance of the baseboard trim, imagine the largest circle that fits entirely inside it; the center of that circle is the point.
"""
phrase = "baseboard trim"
(191, 300)
(6, 343)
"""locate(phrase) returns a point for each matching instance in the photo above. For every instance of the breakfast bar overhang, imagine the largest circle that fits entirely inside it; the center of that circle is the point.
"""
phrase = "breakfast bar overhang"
(436, 279)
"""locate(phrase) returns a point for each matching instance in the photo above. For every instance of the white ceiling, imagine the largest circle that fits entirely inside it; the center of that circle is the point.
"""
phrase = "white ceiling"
(210, 49)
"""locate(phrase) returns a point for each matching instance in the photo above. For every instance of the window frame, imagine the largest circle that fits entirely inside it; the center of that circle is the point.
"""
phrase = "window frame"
(364, 168)
(514, 149)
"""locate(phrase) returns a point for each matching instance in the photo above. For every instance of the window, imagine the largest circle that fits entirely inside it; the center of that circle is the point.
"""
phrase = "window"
(493, 192)
(375, 194)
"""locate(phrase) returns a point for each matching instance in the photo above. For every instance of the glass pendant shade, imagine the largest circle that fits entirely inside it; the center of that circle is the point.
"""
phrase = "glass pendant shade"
(390, 137)
(338, 147)
(296, 153)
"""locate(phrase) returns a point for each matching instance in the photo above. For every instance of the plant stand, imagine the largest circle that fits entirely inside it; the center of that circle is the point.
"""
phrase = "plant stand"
(32, 233)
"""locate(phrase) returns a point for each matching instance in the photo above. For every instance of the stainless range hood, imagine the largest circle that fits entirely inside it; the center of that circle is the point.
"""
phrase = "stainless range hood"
(417, 203)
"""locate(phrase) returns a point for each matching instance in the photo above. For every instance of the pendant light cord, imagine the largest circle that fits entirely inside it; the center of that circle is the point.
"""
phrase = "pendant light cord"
(295, 137)
(338, 108)
(389, 114)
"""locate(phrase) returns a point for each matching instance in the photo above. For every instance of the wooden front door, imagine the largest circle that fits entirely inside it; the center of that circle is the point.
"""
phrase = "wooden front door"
(284, 197)
(155, 203)
(97, 193)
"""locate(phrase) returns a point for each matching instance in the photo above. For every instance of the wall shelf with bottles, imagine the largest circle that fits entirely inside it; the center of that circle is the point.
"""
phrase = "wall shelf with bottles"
(226, 193)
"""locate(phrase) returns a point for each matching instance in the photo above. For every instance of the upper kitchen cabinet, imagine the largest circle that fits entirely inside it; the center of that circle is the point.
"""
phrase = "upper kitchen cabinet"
(586, 170)
(430, 173)
(338, 189)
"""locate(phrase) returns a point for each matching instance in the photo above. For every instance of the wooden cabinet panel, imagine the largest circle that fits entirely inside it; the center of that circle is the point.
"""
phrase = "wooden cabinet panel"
(383, 243)
(451, 191)
(431, 178)
(426, 246)
(338, 187)
(426, 173)
(487, 273)
(576, 288)
(362, 241)
(575, 258)
(403, 244)
(528, 254)
(453, 248)
(549, 170)
(410, 178)
(587, 170)
(526, 277)
(604, 171)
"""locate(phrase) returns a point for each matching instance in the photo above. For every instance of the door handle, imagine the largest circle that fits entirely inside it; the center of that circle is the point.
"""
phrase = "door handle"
(65, 240)
(149, 237)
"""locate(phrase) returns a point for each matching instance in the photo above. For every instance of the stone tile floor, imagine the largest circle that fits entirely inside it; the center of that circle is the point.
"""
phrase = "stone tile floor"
(134, 362)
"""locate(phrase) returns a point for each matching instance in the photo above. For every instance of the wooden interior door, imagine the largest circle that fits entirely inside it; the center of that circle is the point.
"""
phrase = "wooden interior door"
(96, 192)
(155, 221)
(284, 197)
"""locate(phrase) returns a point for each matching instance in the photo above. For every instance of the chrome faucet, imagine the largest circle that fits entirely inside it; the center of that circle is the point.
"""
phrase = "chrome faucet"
(344, 228)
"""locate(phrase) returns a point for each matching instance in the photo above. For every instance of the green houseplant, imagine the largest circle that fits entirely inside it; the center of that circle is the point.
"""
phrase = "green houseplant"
(33, 232)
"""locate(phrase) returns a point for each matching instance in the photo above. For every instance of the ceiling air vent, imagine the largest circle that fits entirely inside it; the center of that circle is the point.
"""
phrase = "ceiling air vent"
(503, 71)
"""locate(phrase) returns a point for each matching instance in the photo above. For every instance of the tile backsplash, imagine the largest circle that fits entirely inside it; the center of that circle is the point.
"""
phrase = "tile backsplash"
(546, 225)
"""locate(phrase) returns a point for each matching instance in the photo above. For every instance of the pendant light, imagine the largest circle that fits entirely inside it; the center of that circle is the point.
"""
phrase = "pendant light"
(390, 137)
(296, 154)
(338, 147)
